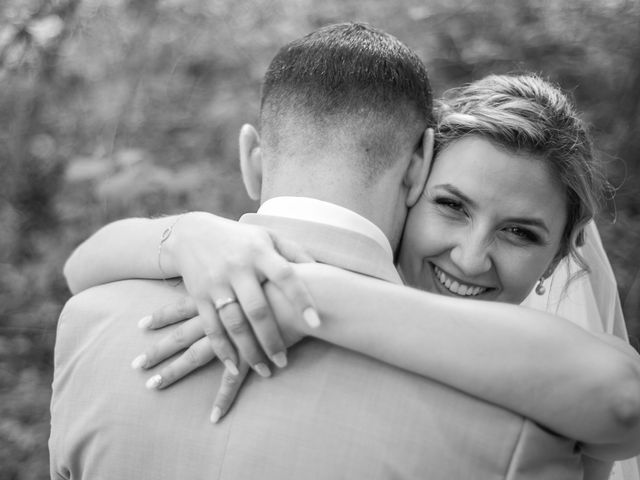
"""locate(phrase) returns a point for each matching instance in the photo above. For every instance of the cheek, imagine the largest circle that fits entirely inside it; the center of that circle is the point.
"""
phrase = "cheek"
(424, 237)
(518, 276)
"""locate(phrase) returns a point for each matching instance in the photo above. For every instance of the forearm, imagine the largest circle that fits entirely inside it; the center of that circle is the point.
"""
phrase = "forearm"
(530, 362)
(123, 249)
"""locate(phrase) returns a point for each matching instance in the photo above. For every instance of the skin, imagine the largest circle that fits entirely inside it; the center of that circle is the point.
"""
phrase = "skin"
(489, 219)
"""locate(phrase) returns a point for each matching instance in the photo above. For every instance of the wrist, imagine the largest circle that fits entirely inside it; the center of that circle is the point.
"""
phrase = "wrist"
(195, 232)
(169, 244)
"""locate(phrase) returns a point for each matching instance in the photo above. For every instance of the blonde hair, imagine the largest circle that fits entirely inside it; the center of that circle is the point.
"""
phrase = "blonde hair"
(527, 114)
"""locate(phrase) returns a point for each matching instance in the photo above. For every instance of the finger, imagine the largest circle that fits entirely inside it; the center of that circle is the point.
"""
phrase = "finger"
(263, 323)
(197, 355)
(239, 330)
(229, 388)
(215, 332)
(290, 250)
(180, 338)
(278, 271)
(175, 312)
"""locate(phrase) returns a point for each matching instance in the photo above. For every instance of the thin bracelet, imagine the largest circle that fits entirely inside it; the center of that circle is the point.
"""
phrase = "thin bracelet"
(164, 236)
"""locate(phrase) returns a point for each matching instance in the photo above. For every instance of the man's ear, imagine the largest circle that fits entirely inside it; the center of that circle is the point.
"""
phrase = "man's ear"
(418, 171)
(250, 160)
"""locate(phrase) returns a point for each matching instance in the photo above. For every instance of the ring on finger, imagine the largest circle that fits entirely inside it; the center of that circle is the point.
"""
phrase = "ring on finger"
(220, 303)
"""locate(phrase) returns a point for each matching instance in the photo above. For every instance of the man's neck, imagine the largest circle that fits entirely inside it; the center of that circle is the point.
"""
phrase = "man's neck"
(376, 203)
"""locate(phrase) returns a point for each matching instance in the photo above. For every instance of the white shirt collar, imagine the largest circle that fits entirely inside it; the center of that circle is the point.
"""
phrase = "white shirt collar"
(313, 210)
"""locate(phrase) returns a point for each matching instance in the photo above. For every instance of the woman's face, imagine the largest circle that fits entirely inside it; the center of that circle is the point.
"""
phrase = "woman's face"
(487, 226)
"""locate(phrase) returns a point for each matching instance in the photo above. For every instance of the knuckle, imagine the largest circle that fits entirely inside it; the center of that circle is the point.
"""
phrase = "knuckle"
(229, 380)
(261, 243)
(237, 262)
(211, 329)
(236, 325)
(178, 337)
(209, 275)
(182, 306)
(258, 312)
(220, 346)
(283, 274)
(192, 357)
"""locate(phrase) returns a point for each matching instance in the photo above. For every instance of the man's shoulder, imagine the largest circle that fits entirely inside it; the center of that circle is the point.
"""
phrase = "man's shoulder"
(122, 295)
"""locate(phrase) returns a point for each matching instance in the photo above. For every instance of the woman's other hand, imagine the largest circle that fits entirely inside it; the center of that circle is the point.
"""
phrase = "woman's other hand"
(189, 338)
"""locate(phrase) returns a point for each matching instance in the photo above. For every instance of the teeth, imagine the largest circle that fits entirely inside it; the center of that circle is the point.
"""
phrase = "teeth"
(457, 288)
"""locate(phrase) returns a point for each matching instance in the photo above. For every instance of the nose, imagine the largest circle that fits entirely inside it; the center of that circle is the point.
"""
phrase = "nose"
(471, 254)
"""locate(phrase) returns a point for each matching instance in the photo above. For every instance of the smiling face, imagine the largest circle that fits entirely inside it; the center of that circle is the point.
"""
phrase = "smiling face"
(488, 225)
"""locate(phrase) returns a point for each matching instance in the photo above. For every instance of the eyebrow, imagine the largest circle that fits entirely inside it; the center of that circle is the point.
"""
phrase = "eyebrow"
(455, 191)
(531, 221)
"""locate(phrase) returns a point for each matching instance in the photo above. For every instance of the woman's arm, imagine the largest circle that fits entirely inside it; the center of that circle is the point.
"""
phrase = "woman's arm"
(123, 249)
(582, 386)
(532, 363)
(221, 262)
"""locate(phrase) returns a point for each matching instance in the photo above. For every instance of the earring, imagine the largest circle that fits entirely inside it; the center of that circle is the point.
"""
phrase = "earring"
(540, 290)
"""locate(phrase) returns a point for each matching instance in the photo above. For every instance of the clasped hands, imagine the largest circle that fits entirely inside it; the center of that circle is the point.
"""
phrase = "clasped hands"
(246, 304)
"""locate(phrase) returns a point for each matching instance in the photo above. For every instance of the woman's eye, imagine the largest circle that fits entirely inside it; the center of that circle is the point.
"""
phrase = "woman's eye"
(522, 234)
(450, 204)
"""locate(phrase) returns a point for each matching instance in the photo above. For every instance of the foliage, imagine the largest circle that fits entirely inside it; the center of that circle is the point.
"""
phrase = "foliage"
(113, 108)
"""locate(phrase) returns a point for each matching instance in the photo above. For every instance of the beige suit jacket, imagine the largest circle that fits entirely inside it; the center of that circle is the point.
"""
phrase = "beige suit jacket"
(331, 414)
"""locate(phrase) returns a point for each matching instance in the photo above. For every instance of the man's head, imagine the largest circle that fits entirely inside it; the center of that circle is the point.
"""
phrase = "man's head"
(343, 112)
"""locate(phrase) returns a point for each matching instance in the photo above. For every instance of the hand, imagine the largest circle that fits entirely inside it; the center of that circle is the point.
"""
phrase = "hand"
(220, 259)
(190, 336)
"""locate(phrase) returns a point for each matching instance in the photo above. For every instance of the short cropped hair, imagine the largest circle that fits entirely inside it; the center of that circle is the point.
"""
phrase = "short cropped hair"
(349, 78)
(527, 114)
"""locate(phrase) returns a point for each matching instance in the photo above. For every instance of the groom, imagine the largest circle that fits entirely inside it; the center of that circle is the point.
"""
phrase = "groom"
(342, 117)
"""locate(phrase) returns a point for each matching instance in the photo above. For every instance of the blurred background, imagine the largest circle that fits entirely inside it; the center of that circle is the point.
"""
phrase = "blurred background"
(114, 108)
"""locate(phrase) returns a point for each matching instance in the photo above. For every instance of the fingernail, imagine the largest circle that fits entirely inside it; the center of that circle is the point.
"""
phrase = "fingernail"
(262, 370)
(216, 413)
(144, 322)
(231, 367)
(153, 382)
(311, 317)
(280, 359)
(139, 361)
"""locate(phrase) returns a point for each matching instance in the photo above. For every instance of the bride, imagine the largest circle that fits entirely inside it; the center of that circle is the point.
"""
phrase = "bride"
(505, 217)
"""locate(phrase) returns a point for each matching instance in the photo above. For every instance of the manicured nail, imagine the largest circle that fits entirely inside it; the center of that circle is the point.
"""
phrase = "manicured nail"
(280, 359)
(216, 413)
(262, 370)
(144, 322)
(153, 382)
(231, 367)
(311, 317)
(139, 361)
